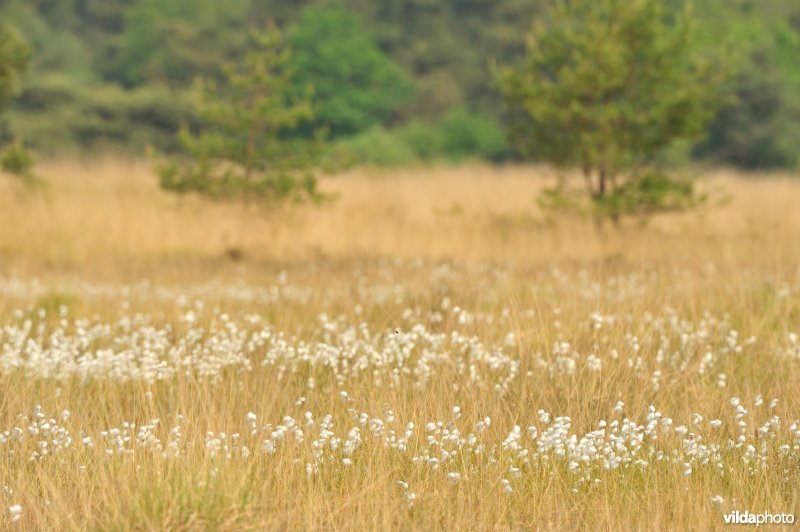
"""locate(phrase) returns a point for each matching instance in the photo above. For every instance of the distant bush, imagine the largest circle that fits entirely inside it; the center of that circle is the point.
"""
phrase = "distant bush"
(423, 139)
(759, 129)
(466, 134)
(459, 135)
(174, 42)
(375, 146)
(18, 161)
(58, 113)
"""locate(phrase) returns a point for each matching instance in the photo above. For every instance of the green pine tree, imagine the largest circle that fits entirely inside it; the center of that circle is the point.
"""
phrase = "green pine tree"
(247, 148)
(607, 86)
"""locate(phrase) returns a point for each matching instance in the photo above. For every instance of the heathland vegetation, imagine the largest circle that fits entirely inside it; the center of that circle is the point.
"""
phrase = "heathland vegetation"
(433, 350)
(424, 353)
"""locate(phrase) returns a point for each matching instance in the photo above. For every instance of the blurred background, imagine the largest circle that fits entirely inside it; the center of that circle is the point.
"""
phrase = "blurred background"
(396, 83)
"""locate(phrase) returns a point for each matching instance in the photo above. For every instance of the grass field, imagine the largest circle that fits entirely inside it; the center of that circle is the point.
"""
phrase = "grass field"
(427, 352)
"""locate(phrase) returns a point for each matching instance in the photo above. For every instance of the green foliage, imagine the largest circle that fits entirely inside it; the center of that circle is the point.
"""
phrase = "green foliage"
(759, 128)
(17, 160)
(460, 135)
(423, 139)
(466, 134)
(14, 56)
(174, 41)
(446, 46)
(50, 48)
(377, 147)
(245, 148)
(607, 86)
(113, 67)
(642, 195)
(58, 114)
(355, 83)
(649, 193)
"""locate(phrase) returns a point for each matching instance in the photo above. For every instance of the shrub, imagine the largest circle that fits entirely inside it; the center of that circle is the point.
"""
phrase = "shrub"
(424, 140)
(459, 135)
(55, 113)
(466, 134)
(375, 146)
(17, 160)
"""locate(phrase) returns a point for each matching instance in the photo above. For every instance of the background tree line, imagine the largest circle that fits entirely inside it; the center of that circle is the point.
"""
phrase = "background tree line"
(395, 82)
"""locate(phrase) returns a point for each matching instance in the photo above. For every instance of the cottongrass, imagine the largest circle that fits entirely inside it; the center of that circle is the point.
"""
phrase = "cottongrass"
(520, 400)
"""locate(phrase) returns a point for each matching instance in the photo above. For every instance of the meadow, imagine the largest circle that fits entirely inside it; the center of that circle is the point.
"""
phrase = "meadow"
(428, 351)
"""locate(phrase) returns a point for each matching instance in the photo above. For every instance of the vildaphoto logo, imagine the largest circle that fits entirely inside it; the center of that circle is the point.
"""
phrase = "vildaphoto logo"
(746, 518)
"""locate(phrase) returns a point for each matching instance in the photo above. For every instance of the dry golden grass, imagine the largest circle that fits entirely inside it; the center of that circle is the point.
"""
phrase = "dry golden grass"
(110, 219)
(397, 240)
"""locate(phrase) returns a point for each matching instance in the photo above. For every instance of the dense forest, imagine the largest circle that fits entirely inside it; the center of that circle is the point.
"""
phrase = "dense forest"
(395, 82)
